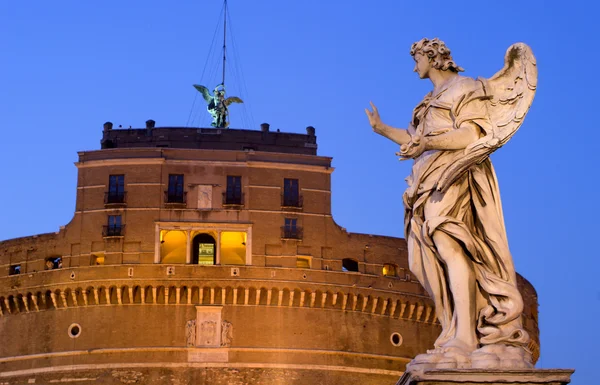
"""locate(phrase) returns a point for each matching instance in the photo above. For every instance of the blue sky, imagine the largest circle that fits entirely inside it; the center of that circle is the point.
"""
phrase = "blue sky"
(69, 66)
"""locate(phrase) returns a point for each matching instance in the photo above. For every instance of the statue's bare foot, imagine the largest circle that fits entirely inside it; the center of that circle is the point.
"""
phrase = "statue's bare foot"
(501, 356)
(452, 355)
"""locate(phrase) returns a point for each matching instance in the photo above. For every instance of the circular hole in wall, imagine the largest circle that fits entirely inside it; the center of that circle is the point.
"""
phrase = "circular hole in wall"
(396, 339)
(74, 330)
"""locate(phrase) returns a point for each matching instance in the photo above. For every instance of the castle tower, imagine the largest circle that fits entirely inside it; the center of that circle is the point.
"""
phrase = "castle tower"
(209, 256)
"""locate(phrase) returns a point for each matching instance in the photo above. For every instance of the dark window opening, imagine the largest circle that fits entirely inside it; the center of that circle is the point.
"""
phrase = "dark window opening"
(14, 270)
(175, 193)
(233, 192)
(114, 227)
(204, 250)
(290, 229)
(349, 264)
(291, 193)
(116, 189)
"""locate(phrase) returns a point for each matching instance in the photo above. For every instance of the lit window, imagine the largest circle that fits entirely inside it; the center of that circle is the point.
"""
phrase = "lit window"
(205, 250)
(303, 263)
(233, 247)
(172, 246)
(389, 270)
(97, 260)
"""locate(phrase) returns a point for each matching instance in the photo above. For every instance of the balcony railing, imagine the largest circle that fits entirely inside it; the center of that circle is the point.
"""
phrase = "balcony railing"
(291, 201)
(113, 231)
(175, 198)
(291, 232)
(115, 198)
(233, 199)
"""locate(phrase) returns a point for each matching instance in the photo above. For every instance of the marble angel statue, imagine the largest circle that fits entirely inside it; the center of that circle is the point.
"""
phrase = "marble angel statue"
(217, 104)
(453, 224)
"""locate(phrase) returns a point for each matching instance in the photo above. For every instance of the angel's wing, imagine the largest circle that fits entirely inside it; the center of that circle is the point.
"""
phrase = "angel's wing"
(205, 92)
(509, 93)
(233, 99)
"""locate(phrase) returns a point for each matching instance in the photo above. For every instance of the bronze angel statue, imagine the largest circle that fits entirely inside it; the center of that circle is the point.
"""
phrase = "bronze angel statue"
(454, 228)
(217, 104)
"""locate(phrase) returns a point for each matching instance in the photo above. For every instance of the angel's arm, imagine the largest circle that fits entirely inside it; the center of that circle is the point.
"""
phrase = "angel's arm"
(457, 139)
(396, 135)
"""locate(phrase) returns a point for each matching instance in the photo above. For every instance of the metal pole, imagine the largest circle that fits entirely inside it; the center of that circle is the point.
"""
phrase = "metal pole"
(224, 39)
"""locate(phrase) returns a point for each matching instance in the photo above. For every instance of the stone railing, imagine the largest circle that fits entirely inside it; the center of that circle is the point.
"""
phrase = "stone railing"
(234, 291)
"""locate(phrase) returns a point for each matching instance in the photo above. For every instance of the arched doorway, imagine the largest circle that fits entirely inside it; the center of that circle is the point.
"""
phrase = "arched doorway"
(204, 250)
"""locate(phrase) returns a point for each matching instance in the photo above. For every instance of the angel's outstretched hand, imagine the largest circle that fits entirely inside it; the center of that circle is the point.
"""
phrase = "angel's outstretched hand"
(374, 119)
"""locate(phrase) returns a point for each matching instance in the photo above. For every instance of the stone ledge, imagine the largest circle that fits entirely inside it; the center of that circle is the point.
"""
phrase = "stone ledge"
(487, 376)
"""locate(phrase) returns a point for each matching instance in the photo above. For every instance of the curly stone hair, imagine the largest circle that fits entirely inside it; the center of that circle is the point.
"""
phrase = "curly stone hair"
(437, 52)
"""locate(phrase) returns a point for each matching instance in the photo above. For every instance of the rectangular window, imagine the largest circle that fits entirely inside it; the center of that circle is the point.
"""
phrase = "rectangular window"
(116, 189)
(233, 193)
(291, 193)
(14, 270)
(175, 192)
(114, 227)
(291, 230)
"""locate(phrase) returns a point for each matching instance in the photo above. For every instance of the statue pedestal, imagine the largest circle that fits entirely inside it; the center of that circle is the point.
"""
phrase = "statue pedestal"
(487, 377)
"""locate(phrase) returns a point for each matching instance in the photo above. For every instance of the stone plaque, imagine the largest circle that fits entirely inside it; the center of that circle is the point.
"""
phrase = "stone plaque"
(204, 197)
(208, 326)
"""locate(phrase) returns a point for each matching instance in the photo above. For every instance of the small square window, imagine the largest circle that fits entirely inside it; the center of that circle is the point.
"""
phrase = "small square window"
(14, 270)
(349, 264)
(390, 270)
(54, 263)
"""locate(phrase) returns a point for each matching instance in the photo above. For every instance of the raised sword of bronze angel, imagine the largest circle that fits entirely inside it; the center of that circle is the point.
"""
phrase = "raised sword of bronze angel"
(454, 228)
(217, 104)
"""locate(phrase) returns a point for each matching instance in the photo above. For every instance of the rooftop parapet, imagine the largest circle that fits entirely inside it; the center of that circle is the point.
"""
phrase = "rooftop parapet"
(210, 138)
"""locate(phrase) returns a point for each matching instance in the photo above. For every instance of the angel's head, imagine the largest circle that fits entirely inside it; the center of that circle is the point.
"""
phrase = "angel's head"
(432, 54)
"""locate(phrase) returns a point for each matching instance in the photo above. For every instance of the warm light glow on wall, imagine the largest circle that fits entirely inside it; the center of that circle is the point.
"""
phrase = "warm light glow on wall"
(233, 247)
(389, 270)
(98, 259)
(303, 263)
(172, 246)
